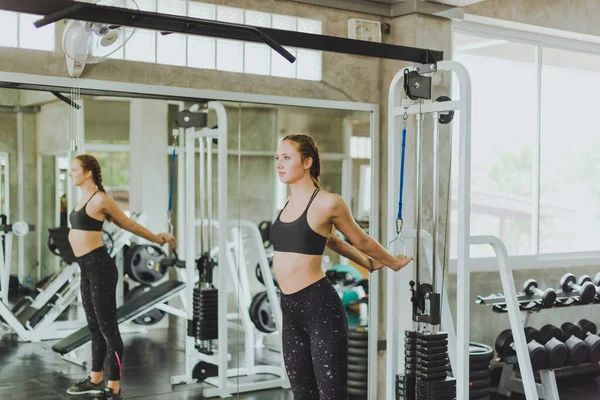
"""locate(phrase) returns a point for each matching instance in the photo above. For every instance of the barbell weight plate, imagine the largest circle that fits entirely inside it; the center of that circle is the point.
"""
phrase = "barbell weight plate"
(261, 313)
(355, 376)
(358, 368)
(358, 351)
(204, 370)
(142, 264)
(358, 344)
(483, 383)
(483, 374)
(358, 333)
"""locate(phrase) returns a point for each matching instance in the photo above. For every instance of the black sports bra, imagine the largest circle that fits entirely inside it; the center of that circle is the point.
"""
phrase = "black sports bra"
(80, 219)
(297, 236)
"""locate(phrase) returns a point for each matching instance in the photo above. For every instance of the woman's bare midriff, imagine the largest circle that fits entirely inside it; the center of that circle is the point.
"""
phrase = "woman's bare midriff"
(295, 271)
(82, 242)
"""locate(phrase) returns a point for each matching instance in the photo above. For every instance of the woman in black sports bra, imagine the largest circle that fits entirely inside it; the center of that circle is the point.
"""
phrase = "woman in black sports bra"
(315, 326)
(99, 275)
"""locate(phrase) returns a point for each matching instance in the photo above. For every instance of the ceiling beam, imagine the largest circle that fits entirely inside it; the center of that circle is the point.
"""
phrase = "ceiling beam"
(58, 9)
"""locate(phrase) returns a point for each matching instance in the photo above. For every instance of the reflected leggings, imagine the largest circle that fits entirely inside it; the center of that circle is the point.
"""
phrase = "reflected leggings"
(99, 277)
(315, 342)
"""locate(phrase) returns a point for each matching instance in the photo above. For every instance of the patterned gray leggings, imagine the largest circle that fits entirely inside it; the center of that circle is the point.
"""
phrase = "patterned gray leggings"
(315, 342)
(98, 292)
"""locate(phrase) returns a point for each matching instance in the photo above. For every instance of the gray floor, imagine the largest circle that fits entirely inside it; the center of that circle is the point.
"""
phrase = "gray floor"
(33, 371)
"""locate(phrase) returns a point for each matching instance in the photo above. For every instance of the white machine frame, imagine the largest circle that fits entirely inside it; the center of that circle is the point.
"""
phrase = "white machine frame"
(226, 272)
(397, 283)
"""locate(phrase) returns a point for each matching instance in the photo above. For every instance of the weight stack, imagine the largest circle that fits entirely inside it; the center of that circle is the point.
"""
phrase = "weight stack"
(432, 368)
(406, 384)
(480, 356)
(358, 362)
(206, 318)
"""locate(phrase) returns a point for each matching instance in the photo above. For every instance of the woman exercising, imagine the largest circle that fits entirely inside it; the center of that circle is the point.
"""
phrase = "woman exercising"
(99, 275)
(315, 325)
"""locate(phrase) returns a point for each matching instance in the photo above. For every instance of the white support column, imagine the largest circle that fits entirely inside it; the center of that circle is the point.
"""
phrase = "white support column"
(149, 174)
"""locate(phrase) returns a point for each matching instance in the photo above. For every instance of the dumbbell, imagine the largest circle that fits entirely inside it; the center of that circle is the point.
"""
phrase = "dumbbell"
(505, 347)
(577, 349)
(530, 288)
(586, 331)
(585, 278)
(556, 350)
(587, 290)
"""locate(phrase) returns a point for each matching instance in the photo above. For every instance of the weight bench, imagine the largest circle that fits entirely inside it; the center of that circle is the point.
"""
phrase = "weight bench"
(127, 312)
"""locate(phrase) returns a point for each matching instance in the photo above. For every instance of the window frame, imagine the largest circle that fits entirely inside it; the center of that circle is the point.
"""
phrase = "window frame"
(541, 38)
(215, 41)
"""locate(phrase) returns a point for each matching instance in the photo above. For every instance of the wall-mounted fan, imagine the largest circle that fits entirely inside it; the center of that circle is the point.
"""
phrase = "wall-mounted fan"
(92, 42)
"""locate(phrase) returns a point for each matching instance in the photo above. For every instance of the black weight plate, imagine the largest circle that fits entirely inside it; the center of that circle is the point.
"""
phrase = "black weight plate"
(357, 376)
(357, 384)
(427, 337)
(433, 364)
(479, 366)
(357, 392)
(475, 394)
(358, 333)
(356, 360)
(434, 350)
(434, 356)
(479, 352)
(475, 375)
(358, 352)
(358, 368)
(480, 384)
(433, 343)
(358, 344)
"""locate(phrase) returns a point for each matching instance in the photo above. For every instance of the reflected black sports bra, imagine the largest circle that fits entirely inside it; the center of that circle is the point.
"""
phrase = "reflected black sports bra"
(80, 219)
(297, 236)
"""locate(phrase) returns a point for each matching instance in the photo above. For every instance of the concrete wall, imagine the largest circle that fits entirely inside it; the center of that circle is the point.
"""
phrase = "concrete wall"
(579, 16)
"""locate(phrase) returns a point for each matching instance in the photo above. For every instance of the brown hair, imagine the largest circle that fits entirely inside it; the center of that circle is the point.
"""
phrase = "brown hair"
(89, 163)
(307, 147)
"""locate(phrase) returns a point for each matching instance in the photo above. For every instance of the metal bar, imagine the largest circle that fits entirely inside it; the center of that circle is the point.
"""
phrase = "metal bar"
(193, 26)
(58, 15)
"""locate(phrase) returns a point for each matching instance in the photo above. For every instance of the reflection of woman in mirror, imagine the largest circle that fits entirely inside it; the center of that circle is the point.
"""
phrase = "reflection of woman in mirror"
(315, 326)
(99, 275)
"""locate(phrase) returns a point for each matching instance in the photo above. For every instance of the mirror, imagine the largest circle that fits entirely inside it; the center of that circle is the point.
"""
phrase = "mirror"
(133, 140)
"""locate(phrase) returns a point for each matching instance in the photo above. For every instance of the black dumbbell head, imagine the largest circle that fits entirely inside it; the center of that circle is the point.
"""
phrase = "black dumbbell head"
(529, 285)
(583, 279)
(565, 282)
(587, 326)
(587, 293)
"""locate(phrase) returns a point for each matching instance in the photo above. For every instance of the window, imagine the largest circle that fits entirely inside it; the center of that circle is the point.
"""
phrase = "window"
(569, 156)
(222, 54)
(17, 30)
(528, 186)
(360, 147)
